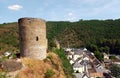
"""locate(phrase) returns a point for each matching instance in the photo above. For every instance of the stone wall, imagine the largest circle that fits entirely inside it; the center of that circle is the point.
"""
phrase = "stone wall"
(32, 34)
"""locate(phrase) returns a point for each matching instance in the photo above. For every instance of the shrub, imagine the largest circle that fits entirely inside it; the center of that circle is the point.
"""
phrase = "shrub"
(49, 73)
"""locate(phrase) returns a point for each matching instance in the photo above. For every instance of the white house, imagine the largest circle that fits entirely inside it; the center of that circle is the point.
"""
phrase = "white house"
(77, 67)
(85, 76)
(75, 57)
(69, 55)
(77, 54)
(85, 49)
(86, 58)
(71, 62)
(68, 49)
(105, 56)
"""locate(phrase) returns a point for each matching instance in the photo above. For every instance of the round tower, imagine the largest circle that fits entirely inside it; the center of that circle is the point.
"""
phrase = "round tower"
(32, 35)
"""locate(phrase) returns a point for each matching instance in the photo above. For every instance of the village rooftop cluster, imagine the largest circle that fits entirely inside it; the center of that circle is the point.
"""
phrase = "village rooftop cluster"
(86, 65)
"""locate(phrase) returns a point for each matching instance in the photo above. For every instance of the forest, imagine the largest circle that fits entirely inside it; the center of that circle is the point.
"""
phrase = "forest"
(96, 35)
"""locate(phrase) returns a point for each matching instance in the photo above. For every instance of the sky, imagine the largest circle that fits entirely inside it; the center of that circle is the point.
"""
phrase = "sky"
(59, 10)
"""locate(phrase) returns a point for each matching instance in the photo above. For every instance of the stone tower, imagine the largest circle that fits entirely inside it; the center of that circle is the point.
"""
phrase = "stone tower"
(32, 35)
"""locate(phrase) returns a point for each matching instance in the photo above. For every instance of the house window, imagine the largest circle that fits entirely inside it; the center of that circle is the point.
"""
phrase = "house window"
(37, 38)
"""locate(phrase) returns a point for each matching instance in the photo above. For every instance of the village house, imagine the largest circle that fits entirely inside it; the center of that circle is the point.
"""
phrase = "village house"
(84, 62)
(78, 68)
(74, 54)
(105, 56)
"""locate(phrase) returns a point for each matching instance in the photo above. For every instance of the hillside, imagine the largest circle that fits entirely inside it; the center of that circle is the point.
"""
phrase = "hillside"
(9, 37)
(93, 34)
(96, 35)
(50, 67)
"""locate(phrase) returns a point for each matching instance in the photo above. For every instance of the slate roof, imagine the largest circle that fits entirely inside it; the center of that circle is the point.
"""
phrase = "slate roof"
(77, 65)
(96, 63)
(78, 52)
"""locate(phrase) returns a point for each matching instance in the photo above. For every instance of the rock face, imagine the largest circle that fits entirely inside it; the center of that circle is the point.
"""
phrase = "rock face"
(11, 65)
(32, 35)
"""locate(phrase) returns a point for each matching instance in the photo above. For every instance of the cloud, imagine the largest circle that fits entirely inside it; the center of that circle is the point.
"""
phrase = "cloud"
(71, 17)
(15, 7)
(70, 14)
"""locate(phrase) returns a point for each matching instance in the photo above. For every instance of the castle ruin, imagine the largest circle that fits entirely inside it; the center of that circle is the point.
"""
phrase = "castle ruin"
(32, 35)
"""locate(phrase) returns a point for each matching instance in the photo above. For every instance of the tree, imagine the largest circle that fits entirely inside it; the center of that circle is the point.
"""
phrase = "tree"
(106, 49)
(93, 48)
(98, 55)
(101, 49)
(115, 70)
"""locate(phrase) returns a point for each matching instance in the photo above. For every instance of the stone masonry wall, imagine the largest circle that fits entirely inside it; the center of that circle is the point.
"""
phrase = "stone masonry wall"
(32, 34)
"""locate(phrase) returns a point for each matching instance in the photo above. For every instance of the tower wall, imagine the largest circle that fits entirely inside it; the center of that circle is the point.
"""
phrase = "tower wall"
(32, 34)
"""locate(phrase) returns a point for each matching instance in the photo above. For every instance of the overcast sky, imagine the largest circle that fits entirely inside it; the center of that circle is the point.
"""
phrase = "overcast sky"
(59, 10)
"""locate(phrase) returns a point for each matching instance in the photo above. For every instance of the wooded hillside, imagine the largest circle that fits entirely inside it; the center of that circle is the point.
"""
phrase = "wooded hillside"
(96, 35)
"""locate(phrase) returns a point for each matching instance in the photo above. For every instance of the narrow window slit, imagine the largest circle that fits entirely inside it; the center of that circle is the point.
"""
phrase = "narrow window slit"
(37, 38)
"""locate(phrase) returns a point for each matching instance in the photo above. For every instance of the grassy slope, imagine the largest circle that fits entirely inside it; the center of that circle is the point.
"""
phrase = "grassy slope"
(37, 68)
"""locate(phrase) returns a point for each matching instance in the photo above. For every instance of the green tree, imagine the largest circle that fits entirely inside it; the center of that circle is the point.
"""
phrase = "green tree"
(98, 55)
(106, 49)
(115, 70)
(93, 48)
(101, 49)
